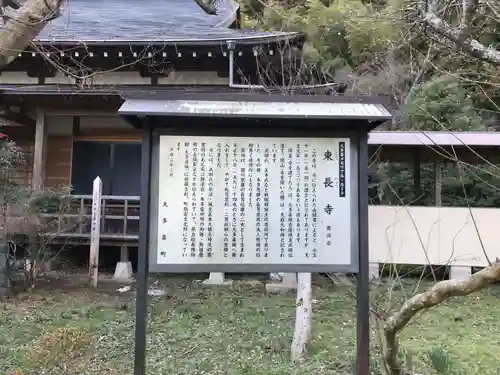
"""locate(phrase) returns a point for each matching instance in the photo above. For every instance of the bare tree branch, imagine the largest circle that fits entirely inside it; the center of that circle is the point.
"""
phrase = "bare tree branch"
(208, 6)
(461, 35)
(14, 4)
(434, 296)
(469, 11)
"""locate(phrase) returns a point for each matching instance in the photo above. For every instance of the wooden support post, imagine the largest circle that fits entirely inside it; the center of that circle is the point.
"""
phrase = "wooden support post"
(95, 232)
(417, 185)
(303, 318)
(124, 253)
(438, 182)
(39, 151)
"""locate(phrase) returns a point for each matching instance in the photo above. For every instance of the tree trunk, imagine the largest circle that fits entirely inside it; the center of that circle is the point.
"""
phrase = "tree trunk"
(303, 318)
(23, 25)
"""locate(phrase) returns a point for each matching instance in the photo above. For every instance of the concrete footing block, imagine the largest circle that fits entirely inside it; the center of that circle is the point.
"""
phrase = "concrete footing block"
(374, 270)
(217, 278)
(123, 271)
(289, 283)
(460, 272)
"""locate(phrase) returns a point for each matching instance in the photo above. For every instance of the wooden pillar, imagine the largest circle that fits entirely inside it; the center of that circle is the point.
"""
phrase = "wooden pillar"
(438, 180)
(417, 185)
(39, 151)
(438, 176)
(124, 253)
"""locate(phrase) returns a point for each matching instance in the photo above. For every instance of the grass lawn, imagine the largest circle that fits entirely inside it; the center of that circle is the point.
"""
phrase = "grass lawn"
(65, 328)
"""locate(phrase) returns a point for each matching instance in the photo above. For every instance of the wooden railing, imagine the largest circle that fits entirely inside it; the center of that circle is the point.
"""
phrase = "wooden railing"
(119, 218)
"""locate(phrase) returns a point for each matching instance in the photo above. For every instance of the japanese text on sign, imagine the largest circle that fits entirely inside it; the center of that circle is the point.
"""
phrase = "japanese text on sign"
(240, 200)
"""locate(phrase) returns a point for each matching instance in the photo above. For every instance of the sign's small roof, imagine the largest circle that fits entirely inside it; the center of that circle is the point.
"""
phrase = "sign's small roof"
(152, 21)
(294, 108)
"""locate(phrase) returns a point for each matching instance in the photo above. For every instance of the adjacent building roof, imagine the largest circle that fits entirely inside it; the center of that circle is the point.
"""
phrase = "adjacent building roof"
(434, 138)
(181, 92)
(160, 21)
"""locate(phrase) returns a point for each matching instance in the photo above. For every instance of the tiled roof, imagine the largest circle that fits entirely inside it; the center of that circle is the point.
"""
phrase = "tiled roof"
(170, 21)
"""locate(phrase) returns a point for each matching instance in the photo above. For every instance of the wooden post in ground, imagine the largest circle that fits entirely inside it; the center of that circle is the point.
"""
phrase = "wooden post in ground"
(39, 151)
(303, 318)
(95, 232)
(37, 182)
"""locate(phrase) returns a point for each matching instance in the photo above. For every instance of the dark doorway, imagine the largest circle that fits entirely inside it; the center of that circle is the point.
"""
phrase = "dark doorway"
(118, 164)
(126, 169)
